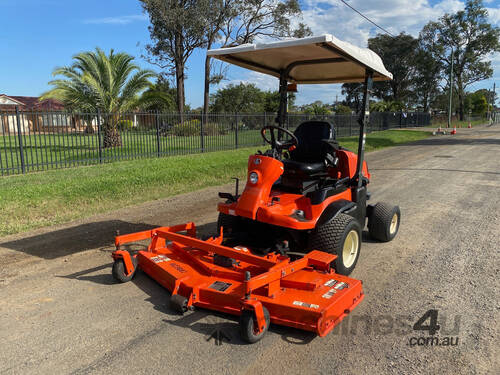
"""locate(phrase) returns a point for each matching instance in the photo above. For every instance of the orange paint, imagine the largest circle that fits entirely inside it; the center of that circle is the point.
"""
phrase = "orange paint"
(305, 294)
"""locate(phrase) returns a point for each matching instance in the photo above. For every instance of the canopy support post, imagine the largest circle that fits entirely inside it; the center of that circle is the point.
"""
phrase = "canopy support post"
(282, 111)
(363, 120)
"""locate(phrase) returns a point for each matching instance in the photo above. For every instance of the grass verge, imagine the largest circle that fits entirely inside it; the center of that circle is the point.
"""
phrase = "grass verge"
(52, 197)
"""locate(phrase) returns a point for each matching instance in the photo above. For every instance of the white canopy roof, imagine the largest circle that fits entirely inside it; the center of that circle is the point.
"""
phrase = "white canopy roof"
(328, 60)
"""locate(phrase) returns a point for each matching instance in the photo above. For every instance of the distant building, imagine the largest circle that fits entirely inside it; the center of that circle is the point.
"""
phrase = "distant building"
(35, 115)
(29, 103)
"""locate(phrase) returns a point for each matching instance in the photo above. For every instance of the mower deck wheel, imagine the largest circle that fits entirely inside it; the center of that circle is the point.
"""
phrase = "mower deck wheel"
(248, 323)
(383, 223)
(342, 237)
(178, 303)
(118, 270)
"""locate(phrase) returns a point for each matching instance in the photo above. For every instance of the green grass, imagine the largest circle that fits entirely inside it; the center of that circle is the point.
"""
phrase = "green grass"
(56, 196)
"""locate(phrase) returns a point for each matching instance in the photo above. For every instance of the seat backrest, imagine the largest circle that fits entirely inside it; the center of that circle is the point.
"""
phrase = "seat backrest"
(310, 135)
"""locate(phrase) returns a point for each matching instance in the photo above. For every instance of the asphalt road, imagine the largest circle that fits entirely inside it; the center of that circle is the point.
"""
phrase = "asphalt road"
(61, 312)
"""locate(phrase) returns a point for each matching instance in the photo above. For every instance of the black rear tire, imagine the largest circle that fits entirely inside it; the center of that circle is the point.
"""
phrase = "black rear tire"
(384, 220)
(331, 238)
(248, 323)
(230, 223)
(118, 270)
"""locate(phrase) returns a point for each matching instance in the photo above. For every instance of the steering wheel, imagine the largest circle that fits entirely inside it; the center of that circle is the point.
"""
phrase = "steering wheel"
(274, 142)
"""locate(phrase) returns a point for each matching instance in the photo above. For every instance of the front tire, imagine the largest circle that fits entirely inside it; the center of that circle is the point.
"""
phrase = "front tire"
(178, 303)
(383, 223)
(248, 324)
(342, 237)
(119, 273)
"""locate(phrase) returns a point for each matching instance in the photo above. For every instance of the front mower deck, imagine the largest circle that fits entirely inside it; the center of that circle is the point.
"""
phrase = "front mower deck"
(304, 293)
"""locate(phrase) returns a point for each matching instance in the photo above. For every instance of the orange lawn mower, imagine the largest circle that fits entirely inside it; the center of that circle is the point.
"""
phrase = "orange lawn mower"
(286, 245)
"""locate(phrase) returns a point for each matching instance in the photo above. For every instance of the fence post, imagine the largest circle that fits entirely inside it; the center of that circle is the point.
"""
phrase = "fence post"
(158, 143)
(20, 137)
(202, 123)
(265, 119)
(99, 138)
(236, 130)
(350, 125)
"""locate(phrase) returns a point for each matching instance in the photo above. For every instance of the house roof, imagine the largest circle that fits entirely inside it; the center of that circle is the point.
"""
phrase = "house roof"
(31, 103)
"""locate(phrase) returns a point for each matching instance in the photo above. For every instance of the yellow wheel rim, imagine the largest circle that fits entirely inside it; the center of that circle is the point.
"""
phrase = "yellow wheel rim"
(351, 248)
(394, 224)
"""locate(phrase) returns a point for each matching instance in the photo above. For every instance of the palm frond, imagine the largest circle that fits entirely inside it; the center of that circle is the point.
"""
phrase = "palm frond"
(96, 80)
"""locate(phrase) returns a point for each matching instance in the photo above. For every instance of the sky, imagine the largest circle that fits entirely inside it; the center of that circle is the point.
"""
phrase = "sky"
(39, 35)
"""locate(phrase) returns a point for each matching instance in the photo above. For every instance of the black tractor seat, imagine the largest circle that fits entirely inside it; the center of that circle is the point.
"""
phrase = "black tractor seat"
(293, 167)
(306, 171)
(309, 158)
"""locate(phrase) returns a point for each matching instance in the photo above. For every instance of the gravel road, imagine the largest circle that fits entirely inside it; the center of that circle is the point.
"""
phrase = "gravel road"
(61, 312)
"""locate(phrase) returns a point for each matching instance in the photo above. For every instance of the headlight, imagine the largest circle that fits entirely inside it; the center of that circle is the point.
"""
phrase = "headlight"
(254, 177)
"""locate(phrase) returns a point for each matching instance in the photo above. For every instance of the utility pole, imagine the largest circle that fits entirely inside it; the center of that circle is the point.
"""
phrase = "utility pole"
(451, 89)
(492, 102)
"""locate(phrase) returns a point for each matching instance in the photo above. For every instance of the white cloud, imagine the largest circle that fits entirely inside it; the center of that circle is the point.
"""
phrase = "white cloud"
(494, 15)
(396, 16)
(262, 81)
(333, 17)
(118, 20)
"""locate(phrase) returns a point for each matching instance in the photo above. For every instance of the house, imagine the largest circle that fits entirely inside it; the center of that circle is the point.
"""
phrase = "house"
(29, 103)
(35, 114)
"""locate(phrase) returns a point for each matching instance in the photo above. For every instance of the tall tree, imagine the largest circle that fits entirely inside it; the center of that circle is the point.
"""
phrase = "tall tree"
(317, 108)
(235, 22)
(216, 17)
(272, 101)
(239, 98)
(471, 38)
(176, 30)
(165, 94)
(477, 102)
(398, 55)
(353, 95)
(426, 79)
(246, 97)
(110, 83)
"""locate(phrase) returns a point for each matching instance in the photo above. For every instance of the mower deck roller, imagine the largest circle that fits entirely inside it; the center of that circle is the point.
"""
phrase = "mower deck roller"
(305, 293)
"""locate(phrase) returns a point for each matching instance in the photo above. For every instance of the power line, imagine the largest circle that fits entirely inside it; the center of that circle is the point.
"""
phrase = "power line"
(366, 18)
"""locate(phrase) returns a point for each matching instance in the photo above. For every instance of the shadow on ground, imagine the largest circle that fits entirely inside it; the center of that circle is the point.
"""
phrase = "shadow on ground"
(83, 237)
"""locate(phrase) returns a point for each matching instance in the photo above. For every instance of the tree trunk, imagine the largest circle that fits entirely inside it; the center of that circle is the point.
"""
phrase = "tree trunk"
(206, 92)
(89, 128)
(179, 79)
(111, 137)
(426, 102)
(461, 99)
(179, 74)
(395, 92)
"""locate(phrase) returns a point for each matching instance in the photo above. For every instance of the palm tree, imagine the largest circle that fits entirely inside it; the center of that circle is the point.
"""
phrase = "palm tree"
(111, 84)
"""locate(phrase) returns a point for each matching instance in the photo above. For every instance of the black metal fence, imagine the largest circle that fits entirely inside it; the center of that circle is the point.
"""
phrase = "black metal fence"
(37, 141)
